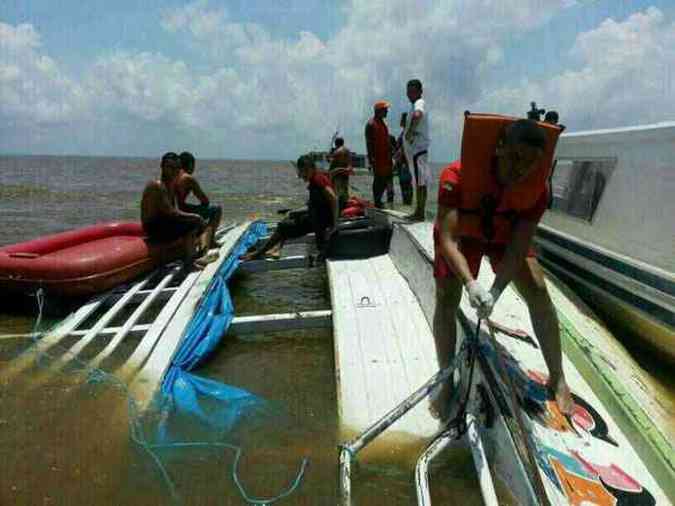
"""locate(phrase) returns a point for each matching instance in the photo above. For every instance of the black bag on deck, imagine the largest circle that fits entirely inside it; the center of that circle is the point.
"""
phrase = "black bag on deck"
(358, 243)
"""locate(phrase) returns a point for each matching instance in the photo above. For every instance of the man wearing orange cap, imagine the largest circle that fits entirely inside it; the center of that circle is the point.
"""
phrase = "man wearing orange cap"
(379, 151)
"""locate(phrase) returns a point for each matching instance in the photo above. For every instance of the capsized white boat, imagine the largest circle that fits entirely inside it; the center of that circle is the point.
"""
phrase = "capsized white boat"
(611, 226)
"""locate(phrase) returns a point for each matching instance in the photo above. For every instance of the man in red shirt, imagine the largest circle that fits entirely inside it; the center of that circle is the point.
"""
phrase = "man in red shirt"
(320, 216)
(378, 146)
(458, 256)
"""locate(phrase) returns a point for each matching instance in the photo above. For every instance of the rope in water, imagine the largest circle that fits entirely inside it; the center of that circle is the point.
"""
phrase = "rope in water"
(96, 375)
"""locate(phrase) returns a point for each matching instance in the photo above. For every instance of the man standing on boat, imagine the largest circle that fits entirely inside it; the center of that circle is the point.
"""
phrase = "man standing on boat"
(379, 152)
(340, 170)
(186, 184)
(320, 216)
(489, 204)
(162, 221)
(416, 142)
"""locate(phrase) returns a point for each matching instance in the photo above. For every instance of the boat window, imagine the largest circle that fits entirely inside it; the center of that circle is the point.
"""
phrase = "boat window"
(578, 185)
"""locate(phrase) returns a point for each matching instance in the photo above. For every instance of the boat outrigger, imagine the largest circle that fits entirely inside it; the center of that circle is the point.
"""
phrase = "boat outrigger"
(608, 452)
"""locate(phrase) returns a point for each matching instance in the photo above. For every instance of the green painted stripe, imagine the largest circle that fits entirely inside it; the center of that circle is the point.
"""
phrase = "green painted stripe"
(649, 442)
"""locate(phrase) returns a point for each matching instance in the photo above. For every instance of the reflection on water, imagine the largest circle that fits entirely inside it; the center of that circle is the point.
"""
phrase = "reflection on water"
(65, 441)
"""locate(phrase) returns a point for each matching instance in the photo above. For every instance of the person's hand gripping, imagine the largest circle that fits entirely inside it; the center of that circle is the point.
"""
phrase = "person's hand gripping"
(481, 300)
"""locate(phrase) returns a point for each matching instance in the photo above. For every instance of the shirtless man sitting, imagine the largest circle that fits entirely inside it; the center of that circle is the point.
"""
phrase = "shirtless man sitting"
(162, 221)
(186, 184)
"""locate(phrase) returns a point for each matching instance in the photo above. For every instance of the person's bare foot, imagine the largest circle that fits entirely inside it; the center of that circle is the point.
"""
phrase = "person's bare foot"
(206, 259)
(190, 265)
(440, 402)
(415, 217)
(274, 253)
(563, 396)
(251, 255)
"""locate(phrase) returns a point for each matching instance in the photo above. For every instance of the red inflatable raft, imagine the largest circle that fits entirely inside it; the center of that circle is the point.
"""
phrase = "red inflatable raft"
(82, 262)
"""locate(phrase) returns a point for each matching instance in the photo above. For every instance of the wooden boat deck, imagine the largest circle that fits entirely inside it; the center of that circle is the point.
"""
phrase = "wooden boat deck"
(384, 348)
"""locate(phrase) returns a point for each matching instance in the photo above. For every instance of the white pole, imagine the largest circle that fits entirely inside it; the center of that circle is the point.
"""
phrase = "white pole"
(487, 487)
(445, 439)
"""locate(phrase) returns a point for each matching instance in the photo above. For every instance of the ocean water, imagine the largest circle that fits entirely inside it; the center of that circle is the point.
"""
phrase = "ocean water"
(63, 441)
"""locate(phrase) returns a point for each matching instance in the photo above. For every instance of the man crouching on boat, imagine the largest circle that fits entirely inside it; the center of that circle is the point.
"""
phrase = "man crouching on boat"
(162, 221)
(489, 203)
(320, 216)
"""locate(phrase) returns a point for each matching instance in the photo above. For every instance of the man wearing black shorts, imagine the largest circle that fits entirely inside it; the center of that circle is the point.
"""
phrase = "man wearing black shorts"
(320, 216)
(187, 184)
(162, 221)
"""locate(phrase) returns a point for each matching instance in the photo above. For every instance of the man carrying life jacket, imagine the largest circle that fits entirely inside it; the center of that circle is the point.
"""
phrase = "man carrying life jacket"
(379, 152)
(489, 204)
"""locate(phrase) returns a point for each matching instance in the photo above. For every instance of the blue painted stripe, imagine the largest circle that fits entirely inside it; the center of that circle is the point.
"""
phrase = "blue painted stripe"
(636, 273)
(563, 267)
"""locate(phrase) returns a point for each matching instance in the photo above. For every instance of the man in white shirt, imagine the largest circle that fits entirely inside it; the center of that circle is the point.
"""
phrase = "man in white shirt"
(416, 145)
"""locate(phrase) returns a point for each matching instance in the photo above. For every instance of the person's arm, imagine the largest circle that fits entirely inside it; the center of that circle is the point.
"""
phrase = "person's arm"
(332, 202)
(514, 256)
(197, 190)
(370, 144)
(447, 221)
(166, 208)
(414, 120)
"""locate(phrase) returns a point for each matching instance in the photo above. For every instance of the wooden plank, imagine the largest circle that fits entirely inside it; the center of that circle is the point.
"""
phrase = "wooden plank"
(154, 333)
(281, 321)
(73, 352)
(164, 295)
(351, 374)
(131, 321)
(305, 239)
(379, 361)
(290, 262)
(51, 339)
(412, 348)
(150, 376)
(144, 327)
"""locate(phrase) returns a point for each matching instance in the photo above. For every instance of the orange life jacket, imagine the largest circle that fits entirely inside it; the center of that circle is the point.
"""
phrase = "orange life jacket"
(482, 214)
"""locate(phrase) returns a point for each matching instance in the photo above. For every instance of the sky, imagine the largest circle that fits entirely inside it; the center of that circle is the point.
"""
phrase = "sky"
(254, 79)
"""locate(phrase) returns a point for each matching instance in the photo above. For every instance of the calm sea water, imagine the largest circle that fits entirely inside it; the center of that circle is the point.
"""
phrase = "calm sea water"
(63, 441)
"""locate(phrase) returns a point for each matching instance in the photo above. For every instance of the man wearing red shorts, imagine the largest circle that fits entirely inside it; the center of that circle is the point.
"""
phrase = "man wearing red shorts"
(463, 236)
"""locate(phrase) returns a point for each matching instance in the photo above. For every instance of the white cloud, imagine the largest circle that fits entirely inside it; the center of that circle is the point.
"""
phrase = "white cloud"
(308, 85)
(256, 94)
(35, 91)
(624, 76)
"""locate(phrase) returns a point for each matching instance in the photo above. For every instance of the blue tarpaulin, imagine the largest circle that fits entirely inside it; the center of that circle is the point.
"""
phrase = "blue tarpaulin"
(217, 405)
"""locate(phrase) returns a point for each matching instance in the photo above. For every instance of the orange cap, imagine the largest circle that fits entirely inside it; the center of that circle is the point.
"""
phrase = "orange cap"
(381, 104)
